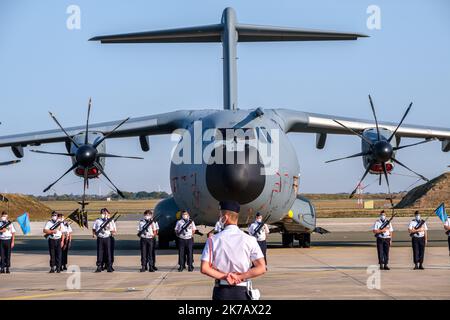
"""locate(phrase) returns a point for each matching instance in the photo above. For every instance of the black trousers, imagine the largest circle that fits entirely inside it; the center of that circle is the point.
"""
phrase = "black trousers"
(5, 253)
(185, 254)
(113, 248)
(418, 245)
(383, 246)
(448, 243)
(263, 246)
(230, 293)
(147, 252)
(55, 251)
(103, 251)
(65, 252)
(154, 251)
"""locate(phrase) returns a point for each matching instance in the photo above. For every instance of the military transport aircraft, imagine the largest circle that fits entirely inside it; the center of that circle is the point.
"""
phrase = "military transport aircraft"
(269, 187)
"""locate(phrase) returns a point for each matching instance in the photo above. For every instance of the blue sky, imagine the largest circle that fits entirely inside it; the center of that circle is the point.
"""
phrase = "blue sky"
(44, 66)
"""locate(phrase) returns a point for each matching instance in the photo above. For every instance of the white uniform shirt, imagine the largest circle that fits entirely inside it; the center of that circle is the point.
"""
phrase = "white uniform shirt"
(67, 229)
(106, 232)
(150, 233)
(447, 223)
(233, 250)
(384, 235)
(188, 233)
(7, 235)
(413, 224)
(261, 236)
(218, 227)
(59, 230)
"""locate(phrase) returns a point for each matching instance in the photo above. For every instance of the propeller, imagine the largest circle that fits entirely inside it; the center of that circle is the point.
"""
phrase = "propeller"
(380, 150)
(86, 156)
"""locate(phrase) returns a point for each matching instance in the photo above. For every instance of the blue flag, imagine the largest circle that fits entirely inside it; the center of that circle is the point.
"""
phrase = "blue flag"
(24, 222)
(440, 212)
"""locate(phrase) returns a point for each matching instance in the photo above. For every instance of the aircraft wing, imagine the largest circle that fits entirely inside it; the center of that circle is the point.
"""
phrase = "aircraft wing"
(298, 121)
(164, 123)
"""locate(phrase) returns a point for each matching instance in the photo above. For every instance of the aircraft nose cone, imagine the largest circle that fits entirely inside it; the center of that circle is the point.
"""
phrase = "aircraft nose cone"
(242, 182)
(86, 155)
(382, 151)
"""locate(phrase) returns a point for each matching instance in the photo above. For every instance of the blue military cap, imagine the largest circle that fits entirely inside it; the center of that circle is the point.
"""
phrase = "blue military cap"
(230, 205)
(258, 214)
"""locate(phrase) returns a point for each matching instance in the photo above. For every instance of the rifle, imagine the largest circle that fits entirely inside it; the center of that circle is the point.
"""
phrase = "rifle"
(5, 225)
(261, 225)
(53, 227)
(146, 226)
(105, 224)
(185, 226)
(418, 226)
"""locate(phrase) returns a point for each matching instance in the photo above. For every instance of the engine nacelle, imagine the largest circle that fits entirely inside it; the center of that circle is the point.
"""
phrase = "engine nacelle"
(371, 134)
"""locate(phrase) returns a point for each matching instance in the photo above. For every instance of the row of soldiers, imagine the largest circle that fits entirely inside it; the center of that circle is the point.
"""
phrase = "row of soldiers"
(417, 229)
(59, 234)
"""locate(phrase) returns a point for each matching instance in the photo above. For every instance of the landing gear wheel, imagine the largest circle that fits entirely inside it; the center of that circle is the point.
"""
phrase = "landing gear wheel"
(287, 240)
(304, 240)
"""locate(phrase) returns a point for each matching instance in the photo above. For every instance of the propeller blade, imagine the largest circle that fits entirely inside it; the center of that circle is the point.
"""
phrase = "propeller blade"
(70, 169)
(354, 132)
(413, 144)
(87, 121)
(375, 117)
(361, 154)
(63, 130)
(360, 181)
(107, 155)
(85, 181)
(110, 133)
(6, 163)
(54, 153)
(401, 122)
(404, 166)
(97, 165)
(379, 181)
(386, 177)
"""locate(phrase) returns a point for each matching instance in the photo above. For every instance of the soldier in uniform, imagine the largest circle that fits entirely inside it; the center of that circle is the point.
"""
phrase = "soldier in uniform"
(155, 234)
(218, 227)
(54, 231)
(384, 240)
(261, 235)
(66, 243)
(7, 235)
(103, 241)
(146, 241)
(185, 229)
(447, 231)
(229, 255)
(419, 240)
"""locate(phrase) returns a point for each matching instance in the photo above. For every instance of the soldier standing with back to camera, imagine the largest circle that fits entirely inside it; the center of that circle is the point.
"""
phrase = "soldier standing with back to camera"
(384, 240)
(229, 255)
(7, 236)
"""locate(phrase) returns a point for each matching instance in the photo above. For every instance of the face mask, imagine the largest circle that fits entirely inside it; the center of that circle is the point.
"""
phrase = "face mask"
(418, 218)
(259, 220)
(147, 217)
(54, 218)
(103, 216)
(3, 218)
(382, 218)
(185, 217)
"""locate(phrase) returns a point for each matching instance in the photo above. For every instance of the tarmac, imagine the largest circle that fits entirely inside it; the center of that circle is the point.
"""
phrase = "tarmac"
(339, 265)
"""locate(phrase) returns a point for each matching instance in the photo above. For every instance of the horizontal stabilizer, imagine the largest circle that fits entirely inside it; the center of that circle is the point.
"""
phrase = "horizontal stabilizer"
(212, 33)
(254, 33)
